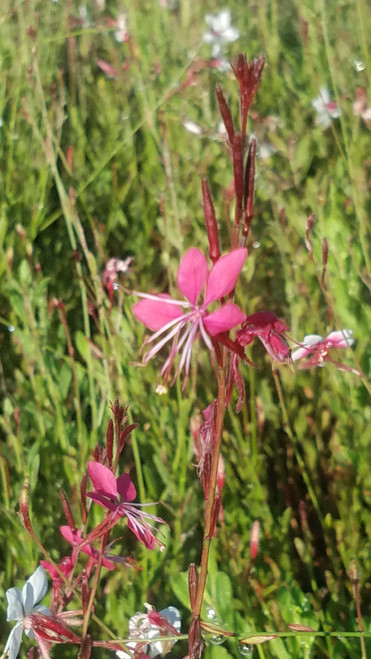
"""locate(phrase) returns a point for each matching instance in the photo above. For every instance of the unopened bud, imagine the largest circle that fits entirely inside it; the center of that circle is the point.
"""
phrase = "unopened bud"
(214, 515)
(83, 498)
(210, 220)
(225, 113)
(67, 510)
(109, 443)
(238, 171)
(254, 540)
(24, 505)
(249, 187)
(192, 584)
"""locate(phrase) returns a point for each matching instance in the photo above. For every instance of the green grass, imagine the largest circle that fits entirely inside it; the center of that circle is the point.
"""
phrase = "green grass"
(297, 456)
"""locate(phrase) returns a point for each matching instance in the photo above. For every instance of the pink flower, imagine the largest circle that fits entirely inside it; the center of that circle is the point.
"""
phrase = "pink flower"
(116, 494)
(66, 567)
(167, 318)
(271, 332)
(319, 348)
(360, 108)
(75, 538)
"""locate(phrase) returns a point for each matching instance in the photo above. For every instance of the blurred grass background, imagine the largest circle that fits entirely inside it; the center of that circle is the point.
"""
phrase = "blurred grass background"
(95, 166)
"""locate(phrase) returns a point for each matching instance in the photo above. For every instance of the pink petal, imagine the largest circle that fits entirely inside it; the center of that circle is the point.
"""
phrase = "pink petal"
(103, 500)
(339, 339)
(103, 479)
(67, 534)
(192, 274)
(142, 534)
(223, 319)
(126, 488)
(276, 347)
(300, 353)
(156, 314)
(224, 274)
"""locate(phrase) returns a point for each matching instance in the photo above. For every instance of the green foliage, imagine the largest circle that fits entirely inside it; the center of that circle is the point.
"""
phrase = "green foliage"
(96, 166)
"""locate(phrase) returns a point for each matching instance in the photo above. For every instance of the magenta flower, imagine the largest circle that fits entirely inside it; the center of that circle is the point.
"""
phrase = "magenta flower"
(319, 348)
(180, 321)
(116, 494)
(75, 538)
(271, 332)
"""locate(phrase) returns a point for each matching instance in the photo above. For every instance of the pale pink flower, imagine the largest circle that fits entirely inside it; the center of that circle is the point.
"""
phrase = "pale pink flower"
(117, 494)
(151, 625)
(318, 349)
(122, 33)
(220, 31)
(326, 109)
(179, 321)
(360, 108)
(111, 271)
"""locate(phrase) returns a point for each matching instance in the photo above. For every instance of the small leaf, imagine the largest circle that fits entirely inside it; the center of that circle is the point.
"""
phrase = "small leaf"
(257, 640)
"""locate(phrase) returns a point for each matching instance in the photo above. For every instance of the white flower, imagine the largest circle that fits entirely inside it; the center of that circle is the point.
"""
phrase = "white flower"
(326, 108)
(221, 30)
(122, 33)
(142, 626)
(21, 605)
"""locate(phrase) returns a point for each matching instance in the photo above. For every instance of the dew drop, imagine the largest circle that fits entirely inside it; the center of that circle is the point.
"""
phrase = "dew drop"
(217, 639)
(245, 649)
(256, 244)
(211, 613)
(359, 65)
(11, 328)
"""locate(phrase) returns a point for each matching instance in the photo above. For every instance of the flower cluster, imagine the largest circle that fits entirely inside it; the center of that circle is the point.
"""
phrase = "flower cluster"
(52, 625)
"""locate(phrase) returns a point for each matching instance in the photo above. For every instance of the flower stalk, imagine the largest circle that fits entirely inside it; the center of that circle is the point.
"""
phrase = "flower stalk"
(210, 502)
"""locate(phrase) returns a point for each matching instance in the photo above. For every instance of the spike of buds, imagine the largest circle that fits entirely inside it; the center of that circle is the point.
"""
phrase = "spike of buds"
(210, 221)
(248, 75)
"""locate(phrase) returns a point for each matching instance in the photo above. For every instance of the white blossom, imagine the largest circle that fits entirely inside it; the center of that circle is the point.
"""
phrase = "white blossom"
(221, 31)
(326, 109)
(140, 626)
(20, 605)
